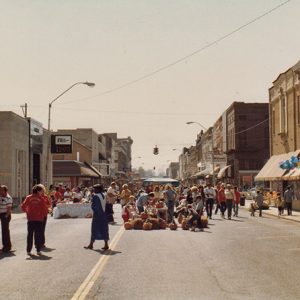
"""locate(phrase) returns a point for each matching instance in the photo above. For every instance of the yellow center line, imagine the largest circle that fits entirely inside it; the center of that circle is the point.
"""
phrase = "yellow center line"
(95, 273)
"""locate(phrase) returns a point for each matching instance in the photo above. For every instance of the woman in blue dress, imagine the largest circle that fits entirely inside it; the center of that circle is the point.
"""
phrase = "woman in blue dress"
(100, 221)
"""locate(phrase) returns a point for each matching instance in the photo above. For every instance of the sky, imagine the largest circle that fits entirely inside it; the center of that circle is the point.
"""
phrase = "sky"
(156, 64)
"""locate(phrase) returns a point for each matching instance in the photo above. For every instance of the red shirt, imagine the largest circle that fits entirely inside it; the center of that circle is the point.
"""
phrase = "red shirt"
(237, 197)
(221, 195)
(35, 208)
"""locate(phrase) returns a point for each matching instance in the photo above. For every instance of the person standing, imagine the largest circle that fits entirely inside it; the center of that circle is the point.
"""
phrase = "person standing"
(170, 198)
(229, 195)
(141, 201)
(36, 209)
(237, 199)
(125, 194)
(99, 230)
(111, 196)
(210, 195)
(48, 204)
(5, 216)
(221, 198)
(280, 204)
(288, 199)
(259, 199)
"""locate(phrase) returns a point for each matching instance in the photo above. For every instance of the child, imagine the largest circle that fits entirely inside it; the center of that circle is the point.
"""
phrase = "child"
(280, 205)
(252, 209)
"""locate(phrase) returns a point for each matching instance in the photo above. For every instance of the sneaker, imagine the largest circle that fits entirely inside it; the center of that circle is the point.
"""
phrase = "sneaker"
(39, 253)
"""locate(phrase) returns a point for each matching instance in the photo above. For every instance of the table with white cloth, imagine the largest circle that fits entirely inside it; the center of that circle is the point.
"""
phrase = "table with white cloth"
(72, 210)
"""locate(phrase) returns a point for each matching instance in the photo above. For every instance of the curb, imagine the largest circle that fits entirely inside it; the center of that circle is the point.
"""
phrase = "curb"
(275, 216)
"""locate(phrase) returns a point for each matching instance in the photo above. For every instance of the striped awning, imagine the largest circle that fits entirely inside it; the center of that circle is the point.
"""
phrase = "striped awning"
(271, 170)
(222, 172)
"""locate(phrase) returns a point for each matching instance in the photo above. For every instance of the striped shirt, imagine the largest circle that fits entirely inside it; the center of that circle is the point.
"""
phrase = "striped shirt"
(5, 202)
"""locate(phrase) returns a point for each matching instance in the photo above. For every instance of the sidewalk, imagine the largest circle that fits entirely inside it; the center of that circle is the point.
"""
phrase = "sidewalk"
(273, 211)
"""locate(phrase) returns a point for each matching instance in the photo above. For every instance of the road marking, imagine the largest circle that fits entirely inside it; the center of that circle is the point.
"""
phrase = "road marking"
(88, 283)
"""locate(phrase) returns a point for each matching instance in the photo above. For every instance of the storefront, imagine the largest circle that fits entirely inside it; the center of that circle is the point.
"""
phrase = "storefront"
(277, 178)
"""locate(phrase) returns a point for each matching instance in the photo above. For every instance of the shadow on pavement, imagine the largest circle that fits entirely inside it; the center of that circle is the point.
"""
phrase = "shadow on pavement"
(46, 249)
(7, 254)
(107, 252)
(38, 257)
(236, 220)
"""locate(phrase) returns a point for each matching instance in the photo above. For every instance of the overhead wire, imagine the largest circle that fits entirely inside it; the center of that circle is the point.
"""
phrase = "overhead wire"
(150, 74)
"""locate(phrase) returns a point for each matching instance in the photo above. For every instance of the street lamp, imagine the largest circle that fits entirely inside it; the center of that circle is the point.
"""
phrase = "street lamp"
(212, 146)
(89, 84)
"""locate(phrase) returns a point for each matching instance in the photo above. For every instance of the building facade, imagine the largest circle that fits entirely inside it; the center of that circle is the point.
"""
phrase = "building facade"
(247, 141)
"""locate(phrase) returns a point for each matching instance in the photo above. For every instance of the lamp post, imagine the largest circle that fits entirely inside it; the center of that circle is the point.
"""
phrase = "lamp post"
(212, 146)
(89, 84)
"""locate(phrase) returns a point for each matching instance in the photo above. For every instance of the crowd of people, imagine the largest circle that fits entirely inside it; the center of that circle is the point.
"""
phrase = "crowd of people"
(191, 202)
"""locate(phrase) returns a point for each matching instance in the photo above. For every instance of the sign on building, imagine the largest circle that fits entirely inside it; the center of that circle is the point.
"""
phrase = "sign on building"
(61, 143)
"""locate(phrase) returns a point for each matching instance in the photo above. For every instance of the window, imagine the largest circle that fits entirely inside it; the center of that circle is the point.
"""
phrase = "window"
(282, 112)
(273, 122)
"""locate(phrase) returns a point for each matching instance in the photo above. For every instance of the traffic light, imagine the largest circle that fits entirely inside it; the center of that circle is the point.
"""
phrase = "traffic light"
(155, 150)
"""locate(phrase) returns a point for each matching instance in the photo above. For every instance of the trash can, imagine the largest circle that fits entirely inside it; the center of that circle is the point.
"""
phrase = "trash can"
(242, 201)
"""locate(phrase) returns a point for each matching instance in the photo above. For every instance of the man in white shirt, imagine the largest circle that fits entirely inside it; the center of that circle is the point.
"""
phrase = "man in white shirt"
(210, 195)
(5, 216)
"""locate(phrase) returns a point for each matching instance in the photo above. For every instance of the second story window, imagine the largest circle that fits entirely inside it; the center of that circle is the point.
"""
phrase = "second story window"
(283, 117)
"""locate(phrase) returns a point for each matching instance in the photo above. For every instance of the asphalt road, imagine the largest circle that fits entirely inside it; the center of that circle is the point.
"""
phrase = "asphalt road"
(245, 258)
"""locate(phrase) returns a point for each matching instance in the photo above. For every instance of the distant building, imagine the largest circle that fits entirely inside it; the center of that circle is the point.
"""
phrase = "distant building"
(173, 170)
(247, 146)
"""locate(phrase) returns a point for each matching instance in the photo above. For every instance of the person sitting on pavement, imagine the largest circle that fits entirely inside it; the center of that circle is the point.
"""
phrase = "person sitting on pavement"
(193, 217)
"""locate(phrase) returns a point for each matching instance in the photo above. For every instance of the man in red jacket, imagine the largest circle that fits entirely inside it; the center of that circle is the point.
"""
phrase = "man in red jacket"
(36, 210)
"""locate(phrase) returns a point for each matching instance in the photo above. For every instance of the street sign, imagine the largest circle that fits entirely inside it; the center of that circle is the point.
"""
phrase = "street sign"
(61, 143)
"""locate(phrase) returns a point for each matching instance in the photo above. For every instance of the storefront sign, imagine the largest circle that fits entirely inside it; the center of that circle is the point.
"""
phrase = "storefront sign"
(61, 143)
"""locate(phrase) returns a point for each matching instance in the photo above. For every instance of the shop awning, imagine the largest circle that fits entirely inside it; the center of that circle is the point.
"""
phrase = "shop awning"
(222, 172)
(272, 171)
(72, 168)
(293, 174)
